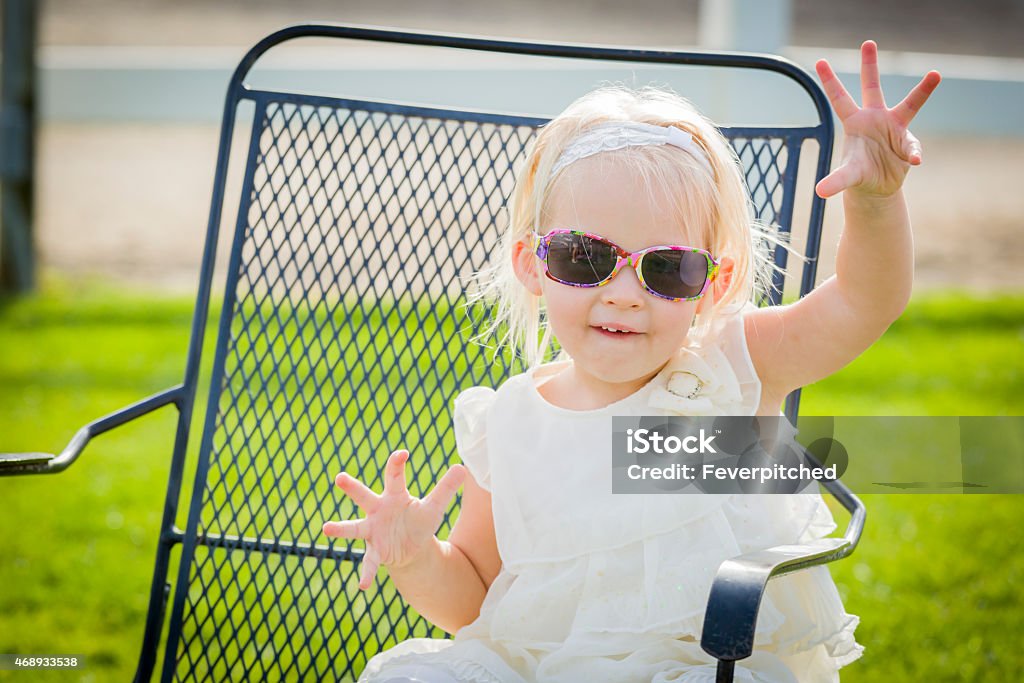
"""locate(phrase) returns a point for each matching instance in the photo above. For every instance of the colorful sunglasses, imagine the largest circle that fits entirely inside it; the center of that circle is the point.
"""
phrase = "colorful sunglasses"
(582, 259)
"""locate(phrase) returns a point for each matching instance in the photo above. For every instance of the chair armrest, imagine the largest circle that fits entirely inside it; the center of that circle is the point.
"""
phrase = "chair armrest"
(731, 614)
(46, 463)
(736, 593)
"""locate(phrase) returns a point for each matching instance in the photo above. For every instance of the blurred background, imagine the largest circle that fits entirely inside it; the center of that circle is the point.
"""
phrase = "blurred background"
(128, 103)
(130, 97)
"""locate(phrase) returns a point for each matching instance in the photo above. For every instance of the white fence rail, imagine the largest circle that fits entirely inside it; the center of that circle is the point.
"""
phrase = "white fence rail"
(979, 96)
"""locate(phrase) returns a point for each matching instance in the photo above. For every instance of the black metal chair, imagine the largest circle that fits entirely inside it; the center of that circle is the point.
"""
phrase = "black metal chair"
(355, 222)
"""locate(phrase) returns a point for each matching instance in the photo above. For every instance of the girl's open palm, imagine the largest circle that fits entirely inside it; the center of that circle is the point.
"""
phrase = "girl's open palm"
(878, 148)
(397, 525)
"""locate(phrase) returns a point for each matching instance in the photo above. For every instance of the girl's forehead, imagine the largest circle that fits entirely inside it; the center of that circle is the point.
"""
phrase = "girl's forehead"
(612, 200)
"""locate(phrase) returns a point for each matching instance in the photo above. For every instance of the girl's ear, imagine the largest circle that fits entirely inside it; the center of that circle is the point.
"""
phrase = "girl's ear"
(723, 279)
(525, 264)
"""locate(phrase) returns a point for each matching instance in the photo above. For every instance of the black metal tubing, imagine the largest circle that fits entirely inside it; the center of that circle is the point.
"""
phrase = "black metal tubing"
(743, 60)
(262, 98)
(731, 614)
(237, 92)
(191, 533)
(739, 585)
(47, 463)
(320, 552)
(159, 588)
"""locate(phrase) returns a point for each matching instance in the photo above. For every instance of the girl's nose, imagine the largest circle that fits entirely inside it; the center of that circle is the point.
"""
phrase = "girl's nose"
(624, 290)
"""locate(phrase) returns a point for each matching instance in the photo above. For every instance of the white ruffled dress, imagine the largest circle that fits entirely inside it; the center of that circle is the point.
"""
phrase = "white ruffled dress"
(602, 588)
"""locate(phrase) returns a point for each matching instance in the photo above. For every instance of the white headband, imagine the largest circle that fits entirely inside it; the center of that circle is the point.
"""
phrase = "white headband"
(607, 137)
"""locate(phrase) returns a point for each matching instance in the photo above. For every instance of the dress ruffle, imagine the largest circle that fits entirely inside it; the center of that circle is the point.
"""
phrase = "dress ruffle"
(660, 583)
(433, 660)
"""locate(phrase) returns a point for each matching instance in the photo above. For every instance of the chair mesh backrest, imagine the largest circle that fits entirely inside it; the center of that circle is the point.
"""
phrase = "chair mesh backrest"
(347, 340)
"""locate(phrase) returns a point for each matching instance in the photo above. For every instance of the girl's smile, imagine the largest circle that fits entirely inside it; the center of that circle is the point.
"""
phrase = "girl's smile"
(615, 330)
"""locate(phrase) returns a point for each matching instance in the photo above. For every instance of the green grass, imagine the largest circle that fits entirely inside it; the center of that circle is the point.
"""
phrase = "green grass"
(934, 580)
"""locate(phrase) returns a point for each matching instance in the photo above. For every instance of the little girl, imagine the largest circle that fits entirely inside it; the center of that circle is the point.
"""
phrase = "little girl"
(630, 227)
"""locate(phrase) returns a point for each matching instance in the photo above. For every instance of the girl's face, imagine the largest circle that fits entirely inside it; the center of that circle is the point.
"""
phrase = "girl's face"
(606, 199)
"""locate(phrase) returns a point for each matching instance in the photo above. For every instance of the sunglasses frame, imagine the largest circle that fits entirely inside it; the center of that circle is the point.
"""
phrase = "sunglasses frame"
(541, 244)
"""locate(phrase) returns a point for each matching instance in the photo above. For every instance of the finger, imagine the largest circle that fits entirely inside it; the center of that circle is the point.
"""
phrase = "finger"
(357, 491)
(349, 528)
(394, 472)
(910, 151)
(837, 94)
(368, 567)
(870, 83)
(836, 181)
(441, 495)
(906, 110)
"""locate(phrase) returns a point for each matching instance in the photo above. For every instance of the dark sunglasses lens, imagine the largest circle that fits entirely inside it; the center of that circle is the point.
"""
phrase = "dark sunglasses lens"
(580, 260)
(675, 273)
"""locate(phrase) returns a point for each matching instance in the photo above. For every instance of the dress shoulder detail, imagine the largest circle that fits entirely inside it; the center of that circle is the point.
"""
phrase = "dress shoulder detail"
(716, 378)
(469, 418)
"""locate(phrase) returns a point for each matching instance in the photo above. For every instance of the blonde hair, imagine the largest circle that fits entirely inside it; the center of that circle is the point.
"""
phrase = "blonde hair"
(716, 211)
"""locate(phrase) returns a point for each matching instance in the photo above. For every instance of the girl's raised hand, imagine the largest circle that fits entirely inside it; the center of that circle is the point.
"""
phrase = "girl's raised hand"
(878, 148)
(397, 525)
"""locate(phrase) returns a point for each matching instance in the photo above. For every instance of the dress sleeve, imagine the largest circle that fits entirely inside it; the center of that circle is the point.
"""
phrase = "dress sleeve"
(470, 422)
(734, 344)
